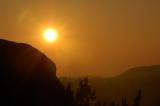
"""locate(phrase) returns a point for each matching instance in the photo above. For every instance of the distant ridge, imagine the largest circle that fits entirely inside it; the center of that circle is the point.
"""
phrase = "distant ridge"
(153, 70)
(146, 78)
(146, 68)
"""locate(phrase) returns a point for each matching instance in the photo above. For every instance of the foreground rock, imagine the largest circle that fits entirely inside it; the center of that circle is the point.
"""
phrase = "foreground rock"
(28, 77)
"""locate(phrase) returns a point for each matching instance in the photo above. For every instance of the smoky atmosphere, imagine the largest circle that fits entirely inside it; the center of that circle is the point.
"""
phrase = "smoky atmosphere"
(79, 52)
(95, 37)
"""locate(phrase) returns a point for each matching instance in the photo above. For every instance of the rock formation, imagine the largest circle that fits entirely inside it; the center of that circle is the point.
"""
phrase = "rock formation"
(28, 77)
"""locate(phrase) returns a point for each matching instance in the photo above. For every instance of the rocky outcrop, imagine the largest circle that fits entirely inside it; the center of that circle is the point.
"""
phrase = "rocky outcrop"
(28, 77)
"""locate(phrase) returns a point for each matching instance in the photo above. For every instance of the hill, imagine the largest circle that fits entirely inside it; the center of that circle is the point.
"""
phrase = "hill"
(127, 84)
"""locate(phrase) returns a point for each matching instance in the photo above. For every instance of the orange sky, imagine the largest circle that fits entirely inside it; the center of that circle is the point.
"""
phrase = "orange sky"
(96, 37)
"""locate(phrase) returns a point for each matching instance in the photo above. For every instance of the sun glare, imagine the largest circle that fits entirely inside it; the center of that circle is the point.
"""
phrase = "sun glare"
(50, 35)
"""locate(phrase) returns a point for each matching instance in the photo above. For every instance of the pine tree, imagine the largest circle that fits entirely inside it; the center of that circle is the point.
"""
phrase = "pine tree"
(98, 103)
(104, 104)
(124, 102)
(113, 104)
(70, 94)
(79, 94)
(138, 98)
(85, 94)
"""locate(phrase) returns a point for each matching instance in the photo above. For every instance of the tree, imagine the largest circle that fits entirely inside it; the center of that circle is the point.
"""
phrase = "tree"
(124, 102)
(113, 104)
(70, 94)
(138, 98)
(85, 95)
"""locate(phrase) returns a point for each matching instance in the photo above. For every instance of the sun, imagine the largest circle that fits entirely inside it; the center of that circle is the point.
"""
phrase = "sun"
(50, 35)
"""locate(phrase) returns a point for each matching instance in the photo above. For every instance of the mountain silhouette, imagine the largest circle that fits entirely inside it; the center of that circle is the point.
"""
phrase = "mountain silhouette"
(127, 84)
(28, 77)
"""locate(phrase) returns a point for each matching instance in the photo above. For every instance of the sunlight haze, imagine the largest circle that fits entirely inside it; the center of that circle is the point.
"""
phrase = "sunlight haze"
(91, 37)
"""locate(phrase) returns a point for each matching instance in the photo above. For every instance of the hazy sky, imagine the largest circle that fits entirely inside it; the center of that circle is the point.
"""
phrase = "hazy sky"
(96, 37)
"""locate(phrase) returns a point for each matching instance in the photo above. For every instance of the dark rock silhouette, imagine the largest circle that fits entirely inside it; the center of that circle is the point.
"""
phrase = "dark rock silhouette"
(28, 77)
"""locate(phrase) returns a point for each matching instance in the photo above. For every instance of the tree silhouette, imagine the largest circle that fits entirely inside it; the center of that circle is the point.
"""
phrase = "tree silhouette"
(85, 95)
(113, 104)
(104, 104)
(98, 103)
(70, 94)
(124, 102)
(138, 98)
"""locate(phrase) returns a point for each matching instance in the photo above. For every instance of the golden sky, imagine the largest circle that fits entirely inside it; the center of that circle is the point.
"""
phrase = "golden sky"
(96, 37)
